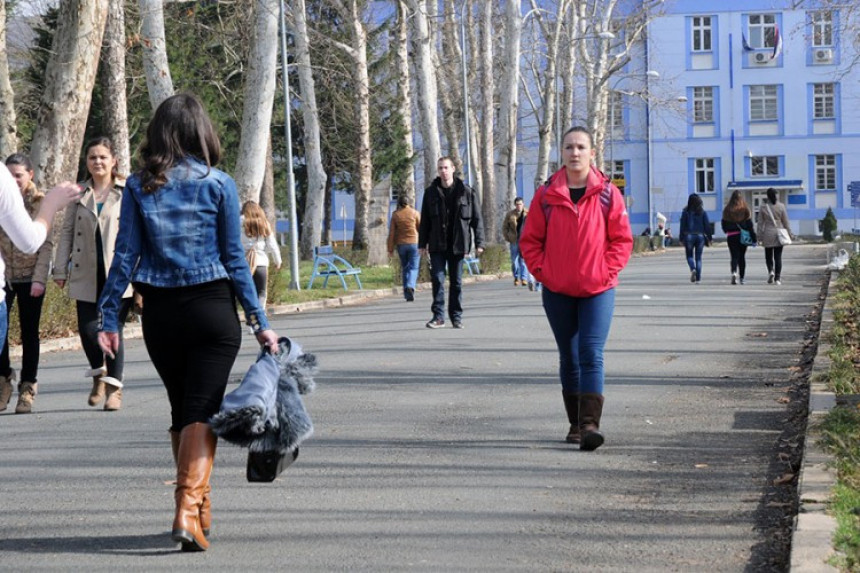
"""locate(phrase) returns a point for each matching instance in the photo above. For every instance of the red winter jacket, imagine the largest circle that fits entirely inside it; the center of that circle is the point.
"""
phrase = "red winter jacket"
(576, 250)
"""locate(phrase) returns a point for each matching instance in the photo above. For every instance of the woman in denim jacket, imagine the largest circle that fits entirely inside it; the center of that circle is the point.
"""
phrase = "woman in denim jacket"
(695, 234)
(180, 244)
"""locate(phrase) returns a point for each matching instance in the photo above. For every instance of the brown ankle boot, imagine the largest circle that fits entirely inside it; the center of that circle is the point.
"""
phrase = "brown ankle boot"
(97, 394)
(590, 411)
(113, 393)
(26, 395)
(194, 466)
(206, 506)
(571, 406)
(6, 388)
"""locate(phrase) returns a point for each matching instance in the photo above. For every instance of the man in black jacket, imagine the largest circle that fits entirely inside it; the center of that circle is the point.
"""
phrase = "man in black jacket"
(450, 213)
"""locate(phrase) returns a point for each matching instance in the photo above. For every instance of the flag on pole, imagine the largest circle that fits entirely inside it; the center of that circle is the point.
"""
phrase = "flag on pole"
(777, 43)
(745, 44)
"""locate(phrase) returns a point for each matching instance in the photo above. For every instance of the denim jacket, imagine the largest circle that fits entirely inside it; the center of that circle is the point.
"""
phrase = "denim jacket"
(185, 233)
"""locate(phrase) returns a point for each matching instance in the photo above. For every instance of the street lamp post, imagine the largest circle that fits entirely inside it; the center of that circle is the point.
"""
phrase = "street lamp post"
(291, 182)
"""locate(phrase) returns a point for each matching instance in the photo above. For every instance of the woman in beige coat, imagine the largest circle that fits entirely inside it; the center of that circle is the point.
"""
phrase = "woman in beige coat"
(772, 216)
(84, 253)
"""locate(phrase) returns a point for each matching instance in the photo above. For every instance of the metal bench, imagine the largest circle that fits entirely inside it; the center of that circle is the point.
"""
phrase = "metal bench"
(327, 264)
(473, 264)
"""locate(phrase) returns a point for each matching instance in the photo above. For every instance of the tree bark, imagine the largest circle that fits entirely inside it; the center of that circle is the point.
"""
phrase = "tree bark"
(69, 78)
(488, 111)
(425, 82)
(315, 195)
(115, 124)
(510, 104)
(8, 121)
(405, 96)
(449, 74)
(258, 101)
(476, 179)
(155, 65)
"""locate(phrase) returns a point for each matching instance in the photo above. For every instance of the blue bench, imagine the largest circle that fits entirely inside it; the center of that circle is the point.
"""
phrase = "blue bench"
(473, 264)
(327, 264)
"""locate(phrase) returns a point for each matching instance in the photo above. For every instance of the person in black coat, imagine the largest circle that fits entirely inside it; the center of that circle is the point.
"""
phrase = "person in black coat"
(737, 217)
(450, 215)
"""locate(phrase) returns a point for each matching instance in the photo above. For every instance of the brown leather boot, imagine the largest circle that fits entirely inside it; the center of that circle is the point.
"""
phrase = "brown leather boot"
(206, 506)
(97, 394)
(590, 410)
(113, 393)
(571, 405)
(193, 468)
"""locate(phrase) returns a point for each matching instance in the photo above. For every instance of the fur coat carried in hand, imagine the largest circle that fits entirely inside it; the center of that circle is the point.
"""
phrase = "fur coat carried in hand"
(266, 412)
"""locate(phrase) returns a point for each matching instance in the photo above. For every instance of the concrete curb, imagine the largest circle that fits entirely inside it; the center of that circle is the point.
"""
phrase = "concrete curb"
(812, 539)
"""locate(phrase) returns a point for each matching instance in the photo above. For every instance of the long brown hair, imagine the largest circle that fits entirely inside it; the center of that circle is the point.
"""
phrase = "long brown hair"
(256, 224)
(736, 210)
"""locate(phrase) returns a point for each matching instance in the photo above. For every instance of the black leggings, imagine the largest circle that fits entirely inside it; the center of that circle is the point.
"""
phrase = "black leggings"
(192, 335)
(88, 328)
(738, 252)
(773, 260)
(29, 313)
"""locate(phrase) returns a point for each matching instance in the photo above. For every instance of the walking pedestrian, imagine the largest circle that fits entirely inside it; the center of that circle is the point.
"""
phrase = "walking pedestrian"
(450, 215)
(181, 246)
(512, 227)
(258, 236)
(26, 216)
(85, 250)
(737, 224)
(403, 235)
(695, 234)
(578, 258)
(772, 223)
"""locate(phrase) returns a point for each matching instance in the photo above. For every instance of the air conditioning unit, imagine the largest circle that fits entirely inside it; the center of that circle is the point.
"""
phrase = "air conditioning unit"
(823, 55)
(760, 58)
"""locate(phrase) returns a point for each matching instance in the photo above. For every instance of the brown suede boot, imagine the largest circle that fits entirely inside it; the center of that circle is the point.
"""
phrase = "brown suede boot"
(97, 394)
(571, 405)
(206, 506)
(194, 466)
(6, 388)
(113, 393)
(590, 410)
(26, 396)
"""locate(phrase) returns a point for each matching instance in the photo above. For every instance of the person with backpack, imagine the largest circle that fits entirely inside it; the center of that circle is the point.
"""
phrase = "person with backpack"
(738, 226)
(695, 234)
(576, 240)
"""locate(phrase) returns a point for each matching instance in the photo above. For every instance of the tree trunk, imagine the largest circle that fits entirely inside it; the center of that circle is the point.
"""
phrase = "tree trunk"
(425, 83)
(449, 74)
(115, 122)
(362, 103)
(377, 249)
(259, 99)
(476, 179)
(69, 78)
(405, 97)
(488, 111)
(314, 197)
(267, 191)
(327, 222)
(8, 121)
(155, 66)
(510, 104)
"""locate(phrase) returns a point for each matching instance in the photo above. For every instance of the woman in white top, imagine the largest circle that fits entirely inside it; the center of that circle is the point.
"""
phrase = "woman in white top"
(27, 234)
(258, 236)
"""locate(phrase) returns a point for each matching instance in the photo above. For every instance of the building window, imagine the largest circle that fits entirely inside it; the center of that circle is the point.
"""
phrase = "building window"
(763, 103)
(614, 112)
(762, 29)
(825, 172)
(705, 176)
(764, 166)
(824, 101)
(822, 28)
(701, 33)
(615, 171)
(703, 105)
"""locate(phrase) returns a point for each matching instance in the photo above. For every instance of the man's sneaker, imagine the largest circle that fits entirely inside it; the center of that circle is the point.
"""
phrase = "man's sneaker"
(409, 293)
(770, 278)
(436, 323)
(458, 325)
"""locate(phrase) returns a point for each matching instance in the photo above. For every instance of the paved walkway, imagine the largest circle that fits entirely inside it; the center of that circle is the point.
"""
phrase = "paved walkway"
(441, 450)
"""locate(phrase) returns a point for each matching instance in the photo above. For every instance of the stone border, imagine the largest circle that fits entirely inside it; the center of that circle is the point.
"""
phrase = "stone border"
(812, 539)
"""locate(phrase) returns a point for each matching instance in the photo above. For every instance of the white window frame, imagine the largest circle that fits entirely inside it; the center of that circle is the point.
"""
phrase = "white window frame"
(764, 166)
(824, 101)
(762, 31)
(703, 104)
(825, 173)
(822, 28)
(705, 175)
(615, 110)
(702, 34)
(764, 103)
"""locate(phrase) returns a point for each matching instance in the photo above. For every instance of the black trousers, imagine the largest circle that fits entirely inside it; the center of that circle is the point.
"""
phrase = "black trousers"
(193, 336)
(29, 314)
(738, 252)
(88, 329)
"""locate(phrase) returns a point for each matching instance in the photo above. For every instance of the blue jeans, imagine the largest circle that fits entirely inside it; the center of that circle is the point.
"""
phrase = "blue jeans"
(4, 319)
(694, 245)
(438, 261)
(409, 260)
(518, 264)
(580, 327)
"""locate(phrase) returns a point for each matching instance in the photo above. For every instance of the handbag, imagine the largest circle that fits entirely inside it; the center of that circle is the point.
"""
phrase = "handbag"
(251, 257)
(266, 466)
(782, 235)
(746, 238)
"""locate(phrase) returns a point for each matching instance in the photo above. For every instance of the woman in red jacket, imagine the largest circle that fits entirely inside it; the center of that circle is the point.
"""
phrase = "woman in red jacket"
(576, 240)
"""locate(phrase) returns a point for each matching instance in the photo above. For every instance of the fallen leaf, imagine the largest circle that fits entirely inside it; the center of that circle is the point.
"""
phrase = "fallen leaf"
(757, 335)
(786, 478)
(700, 466)
(784, 400)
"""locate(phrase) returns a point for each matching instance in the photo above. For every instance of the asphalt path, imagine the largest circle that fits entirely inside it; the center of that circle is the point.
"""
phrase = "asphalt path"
(442, 450)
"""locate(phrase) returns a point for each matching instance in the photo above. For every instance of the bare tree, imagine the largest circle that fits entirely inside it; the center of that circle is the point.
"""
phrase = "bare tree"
(155, 64)
(448, 75)
(69, 78)
(314, 197)
(8, 122)
(488, 115)
(509, 103)
(258, 101)
(405, 96)
(425, 82)
(113, 83)
(474, 96)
